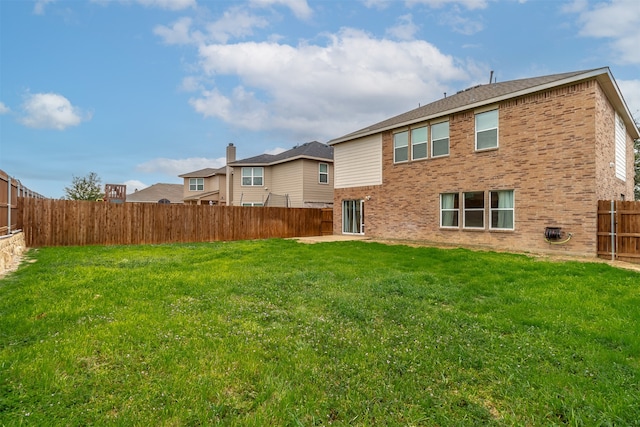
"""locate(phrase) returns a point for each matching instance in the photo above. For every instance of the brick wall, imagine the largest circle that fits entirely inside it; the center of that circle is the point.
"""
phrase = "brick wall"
(547, 154)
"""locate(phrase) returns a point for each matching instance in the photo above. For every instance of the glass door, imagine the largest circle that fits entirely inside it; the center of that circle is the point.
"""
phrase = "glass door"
(353, 216)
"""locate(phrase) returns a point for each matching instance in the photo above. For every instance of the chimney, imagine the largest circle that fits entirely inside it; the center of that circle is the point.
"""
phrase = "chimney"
(231, 157)
(231, 153)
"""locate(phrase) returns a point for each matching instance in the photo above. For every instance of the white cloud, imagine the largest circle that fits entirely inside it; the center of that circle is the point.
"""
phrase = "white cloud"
(300, 8)
(51, 111)
(377, 4)
(236, 22)
(175, 167)
(178, 33)
(160, 4)
(133, 185)
(631, 92)
(351, 81)
(4, 109)
(38, 8)
(468, 4)
(405, 29)
(276, 150)
(617, 20)
(461, 24)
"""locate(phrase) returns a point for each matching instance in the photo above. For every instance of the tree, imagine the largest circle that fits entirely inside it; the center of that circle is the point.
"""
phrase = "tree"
(85, 188)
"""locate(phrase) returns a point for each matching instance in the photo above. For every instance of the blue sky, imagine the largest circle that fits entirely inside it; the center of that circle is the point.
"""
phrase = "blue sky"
(140, 91)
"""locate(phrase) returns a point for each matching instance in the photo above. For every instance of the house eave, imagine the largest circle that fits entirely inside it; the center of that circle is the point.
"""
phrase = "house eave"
(608, 84)
(277, 162)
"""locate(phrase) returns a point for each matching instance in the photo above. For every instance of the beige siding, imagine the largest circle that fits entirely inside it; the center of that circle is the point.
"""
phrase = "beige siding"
(286, 179)
(314, 191)
(358, 163)
(212, 183)
(250, 194)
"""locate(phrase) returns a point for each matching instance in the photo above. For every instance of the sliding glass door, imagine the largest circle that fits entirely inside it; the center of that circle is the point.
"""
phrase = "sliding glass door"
(353, 216)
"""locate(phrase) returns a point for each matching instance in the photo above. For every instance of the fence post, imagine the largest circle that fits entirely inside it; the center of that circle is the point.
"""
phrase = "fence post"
(8, 205)
(613, 231)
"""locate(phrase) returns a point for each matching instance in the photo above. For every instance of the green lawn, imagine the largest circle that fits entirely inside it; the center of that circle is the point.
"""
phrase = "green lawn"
(276, 332)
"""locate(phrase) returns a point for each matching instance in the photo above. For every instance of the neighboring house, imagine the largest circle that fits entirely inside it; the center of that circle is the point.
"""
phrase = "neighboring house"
(301, 178)
(157, 193)
(493, 166)
(205, 186)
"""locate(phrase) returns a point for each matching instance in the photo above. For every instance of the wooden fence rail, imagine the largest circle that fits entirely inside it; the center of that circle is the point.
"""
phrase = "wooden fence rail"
(619, 230)
(10, 190)
(66, 222)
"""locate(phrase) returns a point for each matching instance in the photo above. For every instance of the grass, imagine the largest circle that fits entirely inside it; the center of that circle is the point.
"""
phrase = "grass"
(280, 333)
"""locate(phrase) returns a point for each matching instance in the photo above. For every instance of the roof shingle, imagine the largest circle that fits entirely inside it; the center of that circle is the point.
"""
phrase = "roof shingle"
(465, 99)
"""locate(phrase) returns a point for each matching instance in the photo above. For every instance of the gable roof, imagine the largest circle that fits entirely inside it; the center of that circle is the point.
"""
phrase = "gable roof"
(204, 173)
(486, 94)
(152, 194)
(311, 150)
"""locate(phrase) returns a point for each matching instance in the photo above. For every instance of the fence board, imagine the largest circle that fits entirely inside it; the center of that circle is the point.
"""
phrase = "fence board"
(48, 222)
(626, 231)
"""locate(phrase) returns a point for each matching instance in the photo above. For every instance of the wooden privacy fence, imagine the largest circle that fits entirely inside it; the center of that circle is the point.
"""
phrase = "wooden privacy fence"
(66, 222)
(619, 230)
(10, 190)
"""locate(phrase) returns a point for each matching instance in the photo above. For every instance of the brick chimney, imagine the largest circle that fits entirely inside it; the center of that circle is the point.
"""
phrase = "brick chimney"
(231, 157)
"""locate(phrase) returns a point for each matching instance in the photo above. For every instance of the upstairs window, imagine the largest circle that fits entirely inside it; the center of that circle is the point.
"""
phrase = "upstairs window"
(401, 147)
(487, 130)
(474, 209)
(252, 176)
(323, 177)
(196, 184)
(501, 210)
(440, 139)
(419, 143)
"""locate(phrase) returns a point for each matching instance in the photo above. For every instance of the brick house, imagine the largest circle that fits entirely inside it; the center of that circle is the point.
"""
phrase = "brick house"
(517, 165)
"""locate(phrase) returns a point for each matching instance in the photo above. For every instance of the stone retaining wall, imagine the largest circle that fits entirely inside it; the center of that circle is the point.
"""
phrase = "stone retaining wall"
(11, 248)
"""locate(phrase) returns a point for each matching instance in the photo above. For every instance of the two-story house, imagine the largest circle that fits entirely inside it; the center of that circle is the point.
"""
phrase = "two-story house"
(517, 165)
(205, 187)
(301, 177)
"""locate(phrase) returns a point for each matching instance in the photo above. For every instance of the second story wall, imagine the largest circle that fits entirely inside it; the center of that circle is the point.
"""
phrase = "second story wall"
(212, 183)
(609, 168)
(315, 191)
(286, 178)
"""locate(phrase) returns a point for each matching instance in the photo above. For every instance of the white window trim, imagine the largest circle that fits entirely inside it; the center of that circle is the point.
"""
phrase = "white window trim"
(512, 209)
(497, 128)
(361, 224)
(196, 183)
(442, 210)
(426, 142)
(402, 146)
(320, 173)
(433, 156)
(242, 176)
(465, 210)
